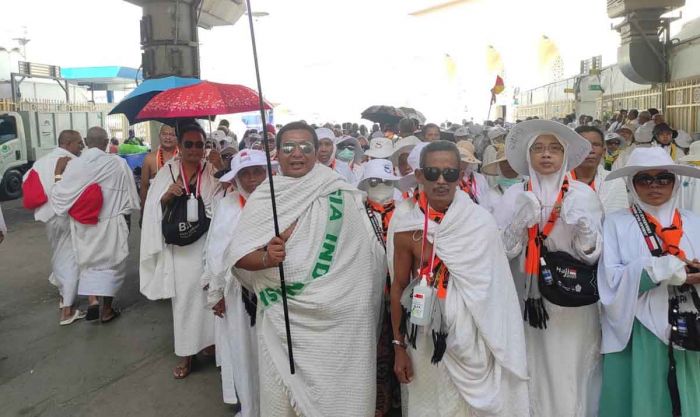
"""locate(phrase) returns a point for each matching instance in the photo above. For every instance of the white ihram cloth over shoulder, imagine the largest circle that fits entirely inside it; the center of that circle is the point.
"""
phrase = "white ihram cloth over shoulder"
(334, 320)
(612, 194)
(236, 344)
(564, 359)
(64, 268)
(483, 371)
(170, 271)
(101, 250)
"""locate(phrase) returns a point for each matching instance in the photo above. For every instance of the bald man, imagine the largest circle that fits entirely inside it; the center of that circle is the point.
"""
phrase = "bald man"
(40, 181)
(97, 191)
(156, 159)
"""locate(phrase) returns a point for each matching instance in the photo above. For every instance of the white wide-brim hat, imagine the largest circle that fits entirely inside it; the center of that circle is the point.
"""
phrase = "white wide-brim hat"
(377, 168)
(244, 159)
(409, 181)
(356, 144)
(643, 159)
(404, 145)
(466, 152)
(380, 148)
(492, 168)
(495, 132)
(519, 138)
(693, 154)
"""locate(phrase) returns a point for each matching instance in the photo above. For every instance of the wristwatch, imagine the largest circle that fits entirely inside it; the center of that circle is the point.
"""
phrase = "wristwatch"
(57, 177)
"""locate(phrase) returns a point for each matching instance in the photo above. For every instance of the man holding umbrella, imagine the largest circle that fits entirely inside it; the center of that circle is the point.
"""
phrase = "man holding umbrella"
(333, 300)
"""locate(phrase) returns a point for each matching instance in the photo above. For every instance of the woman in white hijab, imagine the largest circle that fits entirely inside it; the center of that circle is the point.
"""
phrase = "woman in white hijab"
(555, 220)
(640, 276)
(326, 155)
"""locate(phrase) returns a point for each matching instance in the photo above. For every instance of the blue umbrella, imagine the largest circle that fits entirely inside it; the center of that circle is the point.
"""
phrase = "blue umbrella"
(132, 104)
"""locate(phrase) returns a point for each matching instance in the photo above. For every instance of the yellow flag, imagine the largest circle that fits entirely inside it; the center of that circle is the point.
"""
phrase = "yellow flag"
(548, 54)
(450, 67)
(494, 63)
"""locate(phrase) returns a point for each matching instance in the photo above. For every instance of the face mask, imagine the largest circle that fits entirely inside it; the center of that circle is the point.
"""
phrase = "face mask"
(381, 194)
(240, 189)
(506, 183)
(346, 155)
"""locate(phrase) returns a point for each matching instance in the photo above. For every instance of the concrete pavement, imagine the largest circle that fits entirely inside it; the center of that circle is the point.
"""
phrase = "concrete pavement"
(122, 368)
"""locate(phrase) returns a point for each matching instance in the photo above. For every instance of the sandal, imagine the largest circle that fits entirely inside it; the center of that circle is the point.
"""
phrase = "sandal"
(181, 371)
(77, 315)
(93, 312)
(115, 313)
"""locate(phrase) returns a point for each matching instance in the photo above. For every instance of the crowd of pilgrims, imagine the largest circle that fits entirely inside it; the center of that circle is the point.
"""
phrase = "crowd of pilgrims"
(543, 268)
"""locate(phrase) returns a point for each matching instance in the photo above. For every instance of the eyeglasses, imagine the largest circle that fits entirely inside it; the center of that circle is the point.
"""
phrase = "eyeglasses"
(553, 148)
(349, 146)
(189, 144)
(305, 147)
(373, 182)
(645, 180)
(433, 174)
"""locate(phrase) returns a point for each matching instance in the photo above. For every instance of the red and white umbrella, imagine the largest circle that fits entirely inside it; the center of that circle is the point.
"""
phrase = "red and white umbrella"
(201, 100)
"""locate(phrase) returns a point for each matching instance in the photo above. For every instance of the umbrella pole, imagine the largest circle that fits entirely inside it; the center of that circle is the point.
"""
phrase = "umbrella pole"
(283, 285)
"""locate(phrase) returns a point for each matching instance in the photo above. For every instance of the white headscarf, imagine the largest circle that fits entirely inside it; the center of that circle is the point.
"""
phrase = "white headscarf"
(663, 213)
(546, 187)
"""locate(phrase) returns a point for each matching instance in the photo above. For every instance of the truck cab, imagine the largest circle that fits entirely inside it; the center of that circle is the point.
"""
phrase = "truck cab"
(32, 132)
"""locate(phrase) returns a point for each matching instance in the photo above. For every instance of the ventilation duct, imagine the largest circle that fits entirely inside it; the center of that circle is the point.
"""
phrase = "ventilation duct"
(644, 38)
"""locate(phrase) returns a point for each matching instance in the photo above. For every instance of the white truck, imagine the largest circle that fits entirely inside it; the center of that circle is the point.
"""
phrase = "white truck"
(31, 130)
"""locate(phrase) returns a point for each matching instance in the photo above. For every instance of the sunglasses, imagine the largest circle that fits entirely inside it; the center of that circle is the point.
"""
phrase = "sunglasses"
(645, 180)
(373, 182)
(189, 144)
(433, 174)
(305, 147)
(342, 147)
(552, 148)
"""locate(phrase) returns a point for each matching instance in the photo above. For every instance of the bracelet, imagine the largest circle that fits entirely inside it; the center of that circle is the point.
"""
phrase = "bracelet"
(264, 259)
(399, 343)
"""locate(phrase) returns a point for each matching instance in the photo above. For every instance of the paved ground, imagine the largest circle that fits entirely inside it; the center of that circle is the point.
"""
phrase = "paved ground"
(118, 369)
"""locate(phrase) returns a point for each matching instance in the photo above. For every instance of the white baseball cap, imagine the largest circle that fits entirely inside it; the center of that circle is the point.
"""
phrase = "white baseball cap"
(377, 168)
(244, 159)
(380, 148)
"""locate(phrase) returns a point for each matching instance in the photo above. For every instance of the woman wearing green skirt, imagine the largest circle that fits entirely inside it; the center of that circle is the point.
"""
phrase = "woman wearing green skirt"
(635, 286)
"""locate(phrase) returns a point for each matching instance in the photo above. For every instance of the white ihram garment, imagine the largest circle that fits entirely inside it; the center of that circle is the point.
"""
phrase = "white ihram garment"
(64, 268)
(170, 271)
(334, 300)
(483, 371)
(101, 250)
(236, 344)
(564, 359)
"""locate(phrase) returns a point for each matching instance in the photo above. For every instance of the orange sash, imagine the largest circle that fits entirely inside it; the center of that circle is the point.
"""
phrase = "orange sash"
(670, 236)
(440, 274)
(385, 212)
(535, 238)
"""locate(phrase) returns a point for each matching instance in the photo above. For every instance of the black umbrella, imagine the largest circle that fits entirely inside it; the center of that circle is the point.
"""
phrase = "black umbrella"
(411, 113)
(385, 115)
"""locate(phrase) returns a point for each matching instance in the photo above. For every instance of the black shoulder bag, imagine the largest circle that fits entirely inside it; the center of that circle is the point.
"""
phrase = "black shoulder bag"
(566, 281)
(175, 227)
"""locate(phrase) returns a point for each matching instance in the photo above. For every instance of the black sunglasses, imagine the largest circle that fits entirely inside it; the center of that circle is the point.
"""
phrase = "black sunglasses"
(189, 144)
(433, 174)
(646, 180)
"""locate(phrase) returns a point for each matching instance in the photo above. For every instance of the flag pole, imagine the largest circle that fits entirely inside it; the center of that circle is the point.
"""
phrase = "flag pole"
(283, 286)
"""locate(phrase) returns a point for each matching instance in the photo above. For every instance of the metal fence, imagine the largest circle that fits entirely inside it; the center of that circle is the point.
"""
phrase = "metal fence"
(679, 100)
